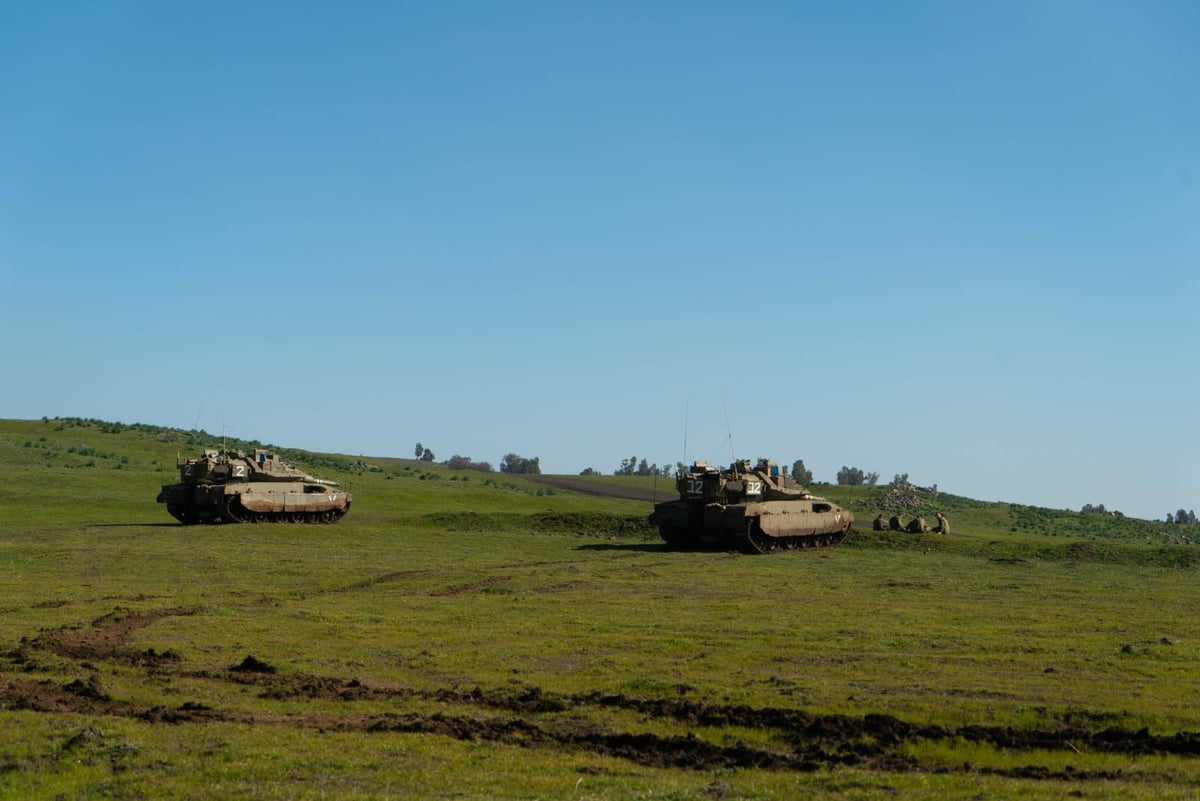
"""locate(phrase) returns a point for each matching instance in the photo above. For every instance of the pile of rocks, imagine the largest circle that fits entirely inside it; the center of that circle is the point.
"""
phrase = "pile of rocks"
(898, 497)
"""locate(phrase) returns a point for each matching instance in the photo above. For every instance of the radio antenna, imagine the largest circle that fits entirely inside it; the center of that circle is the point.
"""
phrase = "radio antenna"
(686, 407)
(729, 431)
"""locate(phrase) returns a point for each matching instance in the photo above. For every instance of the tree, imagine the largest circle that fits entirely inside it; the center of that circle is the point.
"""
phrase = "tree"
(872, 479)
(850, 476)
(800, 473)
(587, 471)
(900, 479)
(457, 462)
(512, 463)
(420, 451)
(427, 456)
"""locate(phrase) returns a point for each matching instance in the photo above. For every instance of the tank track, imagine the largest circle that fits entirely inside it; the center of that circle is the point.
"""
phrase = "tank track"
(234, 512)
(185, 515)
(755, 542)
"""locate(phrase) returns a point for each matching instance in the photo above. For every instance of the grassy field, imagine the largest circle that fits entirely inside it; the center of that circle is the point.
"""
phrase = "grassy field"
(476, 635)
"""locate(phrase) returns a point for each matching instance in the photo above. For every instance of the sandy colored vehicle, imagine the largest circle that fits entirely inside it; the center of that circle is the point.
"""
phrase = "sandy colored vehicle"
(231, 487)
(757, 510)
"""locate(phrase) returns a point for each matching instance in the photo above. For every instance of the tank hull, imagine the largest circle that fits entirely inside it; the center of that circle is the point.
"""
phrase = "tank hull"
(273, 502)
(754, 527)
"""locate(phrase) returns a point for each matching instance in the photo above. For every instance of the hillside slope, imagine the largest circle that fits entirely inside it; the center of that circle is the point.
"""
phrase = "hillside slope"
(113, 463)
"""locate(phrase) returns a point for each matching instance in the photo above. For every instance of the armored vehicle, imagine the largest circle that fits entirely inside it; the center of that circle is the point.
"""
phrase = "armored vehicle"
(231, 487)
(757, 510)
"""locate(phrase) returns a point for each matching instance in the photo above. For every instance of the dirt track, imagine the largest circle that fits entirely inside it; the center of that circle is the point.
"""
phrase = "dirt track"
(798, 741)
(606, 490)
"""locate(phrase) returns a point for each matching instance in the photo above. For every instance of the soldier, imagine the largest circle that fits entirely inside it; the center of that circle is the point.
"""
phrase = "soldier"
(917, 525)
(943, 525)
(896, 523)
(878, 525)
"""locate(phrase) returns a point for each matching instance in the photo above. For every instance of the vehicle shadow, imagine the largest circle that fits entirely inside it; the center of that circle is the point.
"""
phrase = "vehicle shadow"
(643, 547)
(648, 547)
(133, 525)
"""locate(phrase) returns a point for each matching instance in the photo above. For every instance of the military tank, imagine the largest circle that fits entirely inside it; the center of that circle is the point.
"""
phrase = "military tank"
(757, 510)
(233, 487)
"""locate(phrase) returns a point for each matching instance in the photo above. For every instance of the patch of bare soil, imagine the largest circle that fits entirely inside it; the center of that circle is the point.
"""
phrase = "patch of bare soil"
(104, 640)
(251, 664)
(529, 717)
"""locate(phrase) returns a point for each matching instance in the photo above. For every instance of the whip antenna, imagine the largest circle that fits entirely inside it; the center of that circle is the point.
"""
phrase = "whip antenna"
(728, 430)
(686, 406)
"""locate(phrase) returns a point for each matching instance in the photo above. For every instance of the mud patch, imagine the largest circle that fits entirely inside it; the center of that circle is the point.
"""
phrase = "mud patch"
(252, 665)
(50, 697)
(104, 640)
(91, 688)
(315, 687)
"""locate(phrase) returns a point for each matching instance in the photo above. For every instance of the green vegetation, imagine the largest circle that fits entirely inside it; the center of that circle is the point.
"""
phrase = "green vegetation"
(486, 636)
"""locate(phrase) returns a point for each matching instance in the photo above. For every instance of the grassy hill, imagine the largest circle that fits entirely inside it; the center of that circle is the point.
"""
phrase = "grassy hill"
(60, 446)
(485, 636)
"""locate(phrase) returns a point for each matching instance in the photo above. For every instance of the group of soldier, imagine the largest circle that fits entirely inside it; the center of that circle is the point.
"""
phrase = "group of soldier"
(915, 526)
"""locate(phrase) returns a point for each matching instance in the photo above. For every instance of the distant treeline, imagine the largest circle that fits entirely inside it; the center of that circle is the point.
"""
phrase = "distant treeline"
(633, 466)
(640, 467)
(510, 463)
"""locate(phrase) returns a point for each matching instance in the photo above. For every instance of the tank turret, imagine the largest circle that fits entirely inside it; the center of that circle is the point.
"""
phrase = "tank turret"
(758, 509)
(234, 487)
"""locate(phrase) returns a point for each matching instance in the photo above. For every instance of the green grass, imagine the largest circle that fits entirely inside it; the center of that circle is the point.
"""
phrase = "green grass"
(483, 636)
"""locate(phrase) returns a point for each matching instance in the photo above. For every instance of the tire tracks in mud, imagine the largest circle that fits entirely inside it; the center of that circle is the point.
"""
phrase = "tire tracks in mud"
(529, 717)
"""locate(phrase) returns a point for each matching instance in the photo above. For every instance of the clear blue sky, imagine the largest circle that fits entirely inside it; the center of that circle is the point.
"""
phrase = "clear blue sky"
(955, 240)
